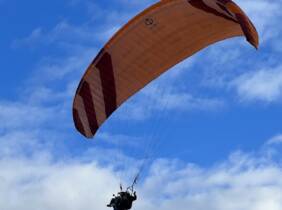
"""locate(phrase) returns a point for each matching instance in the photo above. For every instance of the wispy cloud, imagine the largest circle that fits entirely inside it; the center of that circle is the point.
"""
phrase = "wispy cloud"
(101, 24)
(41, 184)
(63, 33)
(18, 115)
(275, 140)
(263, 85)
(228, 185)
(243, 181)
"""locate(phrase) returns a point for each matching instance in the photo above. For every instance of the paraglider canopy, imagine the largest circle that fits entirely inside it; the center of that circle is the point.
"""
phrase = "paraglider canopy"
(148, 45)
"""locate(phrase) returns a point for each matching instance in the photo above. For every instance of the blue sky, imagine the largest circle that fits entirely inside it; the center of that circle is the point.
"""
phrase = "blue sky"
(214, 119)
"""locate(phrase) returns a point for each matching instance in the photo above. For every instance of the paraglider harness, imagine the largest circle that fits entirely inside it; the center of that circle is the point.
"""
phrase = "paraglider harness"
(125, 198)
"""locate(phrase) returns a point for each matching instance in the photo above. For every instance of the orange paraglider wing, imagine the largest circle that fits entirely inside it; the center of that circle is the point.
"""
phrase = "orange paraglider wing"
(148, 45)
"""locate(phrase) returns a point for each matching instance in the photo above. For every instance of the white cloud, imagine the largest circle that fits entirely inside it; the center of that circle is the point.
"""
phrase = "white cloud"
(262, 85)
(66, 68)
(62, 33)
(97, 30)
(275, 140)
(41, 184)
(20, 115)
(243, 181)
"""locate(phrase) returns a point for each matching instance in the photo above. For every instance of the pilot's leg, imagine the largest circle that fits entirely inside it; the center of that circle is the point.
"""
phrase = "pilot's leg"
(111, 203)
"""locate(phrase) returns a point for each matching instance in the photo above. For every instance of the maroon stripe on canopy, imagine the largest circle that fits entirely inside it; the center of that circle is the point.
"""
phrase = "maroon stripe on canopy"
(78, 122)
(105, 67)
(85, 93)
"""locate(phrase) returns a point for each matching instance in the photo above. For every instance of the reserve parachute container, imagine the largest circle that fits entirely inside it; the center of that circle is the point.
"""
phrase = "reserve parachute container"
(151, 43)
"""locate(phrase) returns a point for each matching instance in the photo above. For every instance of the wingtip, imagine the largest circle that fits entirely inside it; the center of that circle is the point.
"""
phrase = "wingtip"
(254, 43)
(246, 24)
